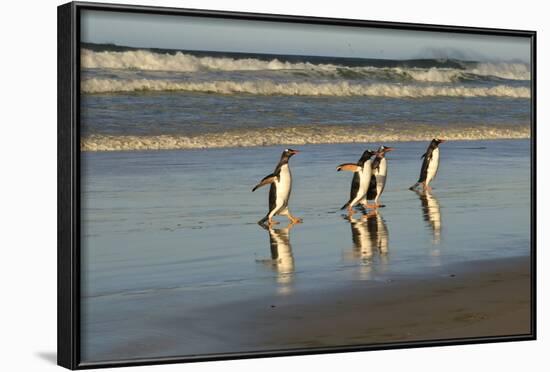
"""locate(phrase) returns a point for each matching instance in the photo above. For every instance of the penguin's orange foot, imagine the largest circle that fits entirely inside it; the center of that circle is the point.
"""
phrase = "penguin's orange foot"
(272, 222)
(368, 215)
(294, 220)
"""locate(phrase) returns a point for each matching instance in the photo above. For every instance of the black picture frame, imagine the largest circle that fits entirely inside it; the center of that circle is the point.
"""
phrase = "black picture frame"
(68, 344)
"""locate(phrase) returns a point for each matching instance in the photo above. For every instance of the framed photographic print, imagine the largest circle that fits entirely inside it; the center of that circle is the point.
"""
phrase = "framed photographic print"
(235, 185)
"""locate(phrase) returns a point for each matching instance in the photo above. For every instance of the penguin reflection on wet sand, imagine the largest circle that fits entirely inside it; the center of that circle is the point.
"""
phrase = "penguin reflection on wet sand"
(279, 192)
(282, 259)
(379, 176)
(369, 235)
(430, 165)
(362, 171)
(431, 212)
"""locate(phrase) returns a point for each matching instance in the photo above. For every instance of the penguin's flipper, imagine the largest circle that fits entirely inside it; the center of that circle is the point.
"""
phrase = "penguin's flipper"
(265, 181)
(352, 167)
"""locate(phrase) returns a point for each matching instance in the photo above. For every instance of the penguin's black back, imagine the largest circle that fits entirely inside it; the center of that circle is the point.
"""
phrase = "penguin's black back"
(272, 196)
(427, 159)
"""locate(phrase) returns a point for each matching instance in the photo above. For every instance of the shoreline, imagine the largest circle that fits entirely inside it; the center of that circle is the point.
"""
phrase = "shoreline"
(150, 146)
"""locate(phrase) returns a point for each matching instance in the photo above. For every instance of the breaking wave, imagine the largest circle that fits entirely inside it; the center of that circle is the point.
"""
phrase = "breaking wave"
(180, 62)
(145, 60)
(269, 87)
(302, 136)
(511, 71)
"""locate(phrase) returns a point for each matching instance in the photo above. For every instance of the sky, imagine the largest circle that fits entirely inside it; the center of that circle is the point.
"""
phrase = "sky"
(209, 34)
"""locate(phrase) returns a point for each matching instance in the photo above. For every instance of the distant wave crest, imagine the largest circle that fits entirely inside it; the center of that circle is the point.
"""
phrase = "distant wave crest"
(268, 87)
(302, 135)
(182, 62)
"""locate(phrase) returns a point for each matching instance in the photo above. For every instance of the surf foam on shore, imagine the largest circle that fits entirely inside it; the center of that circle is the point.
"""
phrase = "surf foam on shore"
(300, 136)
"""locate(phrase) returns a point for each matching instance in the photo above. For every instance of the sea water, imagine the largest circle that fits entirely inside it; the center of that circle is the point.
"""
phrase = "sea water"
(139, 99)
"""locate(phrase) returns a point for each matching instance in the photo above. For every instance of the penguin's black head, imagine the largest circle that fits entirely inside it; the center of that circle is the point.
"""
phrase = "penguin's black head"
(288, 153)
(366, 155)
(438, 141)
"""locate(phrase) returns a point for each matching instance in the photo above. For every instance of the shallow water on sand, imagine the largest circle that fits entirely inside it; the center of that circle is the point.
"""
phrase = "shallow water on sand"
(172, 232)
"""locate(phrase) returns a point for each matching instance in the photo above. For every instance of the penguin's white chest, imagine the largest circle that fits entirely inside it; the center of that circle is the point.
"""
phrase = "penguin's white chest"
(433, 166)
(382, 169)
(284, 184)
(380, 174)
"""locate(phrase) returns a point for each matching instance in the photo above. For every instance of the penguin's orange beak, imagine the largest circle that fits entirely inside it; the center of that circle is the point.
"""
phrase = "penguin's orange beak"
(388, 149)
(442, 140)
(293, 152)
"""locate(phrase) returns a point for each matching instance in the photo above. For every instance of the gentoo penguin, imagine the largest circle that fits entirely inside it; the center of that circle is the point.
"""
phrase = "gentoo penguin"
(429, 165)
(362, 171)
(379, 176)
(279, 192)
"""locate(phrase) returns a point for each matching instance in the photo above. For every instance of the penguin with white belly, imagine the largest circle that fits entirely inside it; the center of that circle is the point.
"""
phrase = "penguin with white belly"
(362, 172)
(279, 192)
(430, 165)
(378, 178)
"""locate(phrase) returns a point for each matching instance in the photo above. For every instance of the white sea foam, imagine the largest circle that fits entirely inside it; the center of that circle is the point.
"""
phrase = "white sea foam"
(434, 75)
(269, 87)
(511, 71)
(302, 135)
(180, 62)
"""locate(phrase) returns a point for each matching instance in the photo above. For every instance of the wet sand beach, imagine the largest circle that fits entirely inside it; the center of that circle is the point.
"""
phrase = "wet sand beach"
(175, 263)
(489, 298)
(481, 298)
